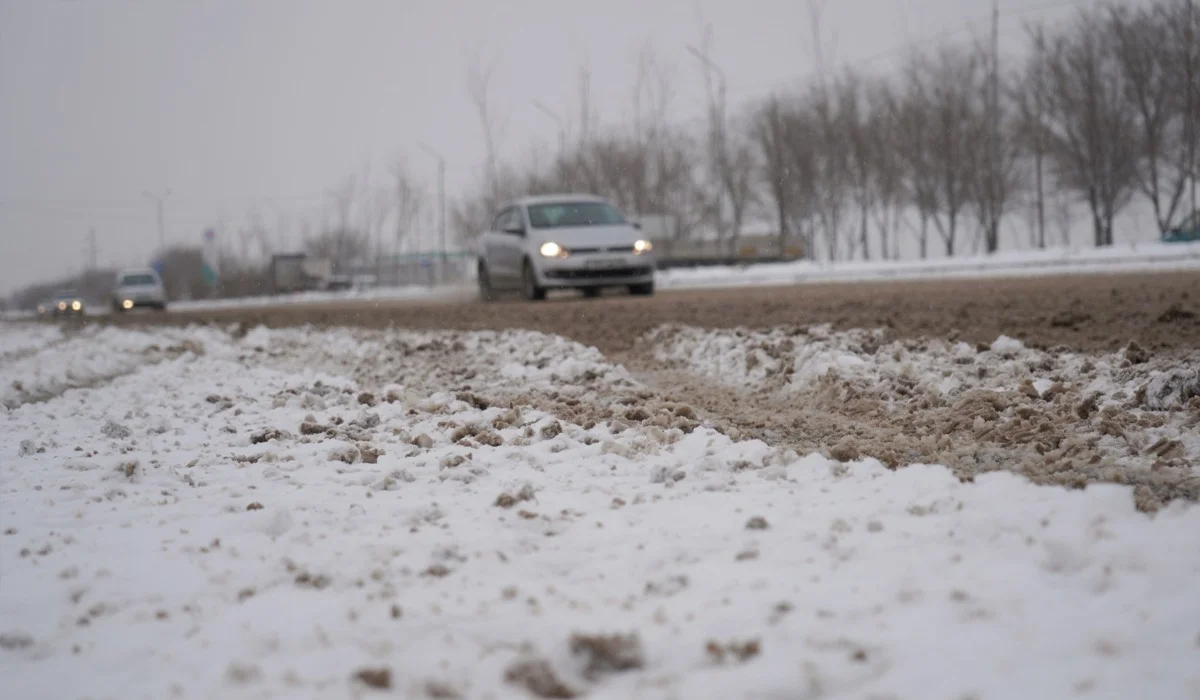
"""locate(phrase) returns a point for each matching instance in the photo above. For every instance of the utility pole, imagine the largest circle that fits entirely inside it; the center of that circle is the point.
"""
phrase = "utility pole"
(994, 171)
(159, 200)
(441, 161)
(1193, 106)
(562, 130)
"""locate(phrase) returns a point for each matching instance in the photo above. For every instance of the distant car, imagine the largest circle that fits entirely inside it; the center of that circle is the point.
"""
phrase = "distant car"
(566, 241)
(67, 302)
(137, 288)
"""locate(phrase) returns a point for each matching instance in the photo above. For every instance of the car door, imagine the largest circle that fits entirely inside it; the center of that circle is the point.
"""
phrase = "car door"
(491, 246)
(514, 243)
(507, 247)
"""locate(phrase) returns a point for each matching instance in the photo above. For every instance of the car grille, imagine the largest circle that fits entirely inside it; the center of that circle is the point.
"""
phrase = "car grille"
(599, 274)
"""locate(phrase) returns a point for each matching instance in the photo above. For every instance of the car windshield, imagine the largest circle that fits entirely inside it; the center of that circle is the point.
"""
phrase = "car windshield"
(564, 214)
(65, 294)
(136, 280)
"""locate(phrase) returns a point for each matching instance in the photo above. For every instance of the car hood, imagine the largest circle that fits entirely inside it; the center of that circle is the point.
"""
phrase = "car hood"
(142, 289)
(587, 236)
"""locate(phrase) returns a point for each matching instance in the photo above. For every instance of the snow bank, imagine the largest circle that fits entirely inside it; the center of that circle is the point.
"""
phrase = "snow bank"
(408, 293)
(21, 339)
(209, 525)
(1059, 417)
(1125, 258)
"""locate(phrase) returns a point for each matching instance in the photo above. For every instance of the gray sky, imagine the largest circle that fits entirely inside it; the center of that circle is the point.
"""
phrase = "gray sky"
(231, 103)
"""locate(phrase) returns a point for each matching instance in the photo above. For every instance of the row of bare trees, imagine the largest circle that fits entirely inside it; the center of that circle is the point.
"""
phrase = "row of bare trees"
(953, 149)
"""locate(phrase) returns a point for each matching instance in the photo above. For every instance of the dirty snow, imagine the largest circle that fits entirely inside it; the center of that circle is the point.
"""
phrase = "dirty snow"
(1057, 416)
(305, 513)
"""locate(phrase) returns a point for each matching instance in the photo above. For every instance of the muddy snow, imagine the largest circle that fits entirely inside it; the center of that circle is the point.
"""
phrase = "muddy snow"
(208, 512)
(1055, 416)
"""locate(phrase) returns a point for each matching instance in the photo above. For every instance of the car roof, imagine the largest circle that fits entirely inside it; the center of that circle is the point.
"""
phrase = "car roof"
(137, 271)
(555, 199)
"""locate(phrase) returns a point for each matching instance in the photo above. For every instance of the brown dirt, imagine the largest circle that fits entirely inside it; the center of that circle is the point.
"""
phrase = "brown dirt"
(1082, 312)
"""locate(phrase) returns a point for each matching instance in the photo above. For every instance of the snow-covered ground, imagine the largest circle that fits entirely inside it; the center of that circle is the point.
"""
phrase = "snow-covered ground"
(339, 513)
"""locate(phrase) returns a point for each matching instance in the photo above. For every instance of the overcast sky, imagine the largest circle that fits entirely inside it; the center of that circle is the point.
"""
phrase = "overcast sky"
(231, 103)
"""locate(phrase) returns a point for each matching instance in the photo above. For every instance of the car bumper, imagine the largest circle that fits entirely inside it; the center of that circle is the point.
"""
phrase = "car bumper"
(139, 303)
(591, 271)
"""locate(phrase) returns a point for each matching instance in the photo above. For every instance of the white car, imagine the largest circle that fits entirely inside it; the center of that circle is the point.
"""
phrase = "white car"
(140, 287)
(563, 242)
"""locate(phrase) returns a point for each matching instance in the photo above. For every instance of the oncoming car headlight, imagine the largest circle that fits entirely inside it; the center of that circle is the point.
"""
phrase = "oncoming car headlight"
(62, 306)
(127, 304)
(550, 249)
(642, 246)
(75, 306)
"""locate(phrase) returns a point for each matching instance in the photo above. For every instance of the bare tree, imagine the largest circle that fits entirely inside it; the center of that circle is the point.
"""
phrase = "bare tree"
(770, 130)
(343, 243)
(914, 119)
(1187, 43)
(948, 83)
(1032, 99)
(995, 179)
(887, 171)
(479, 87)
(1092, 128)
(855, 119)
(408, 200)
(830, 167)
(1152, 81)
(731, 155)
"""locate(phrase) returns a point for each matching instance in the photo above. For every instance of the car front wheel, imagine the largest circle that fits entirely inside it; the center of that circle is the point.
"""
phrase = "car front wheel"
(529, 285)
(642, 290)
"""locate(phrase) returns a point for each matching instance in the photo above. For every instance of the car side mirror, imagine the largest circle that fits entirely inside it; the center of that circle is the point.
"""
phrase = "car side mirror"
(637, 225)
(515, 230)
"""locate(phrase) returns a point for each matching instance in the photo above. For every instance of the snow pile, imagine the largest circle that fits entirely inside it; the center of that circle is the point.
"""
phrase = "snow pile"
(211, 525)
(1056, 416)
(21, 339)
(89, 356)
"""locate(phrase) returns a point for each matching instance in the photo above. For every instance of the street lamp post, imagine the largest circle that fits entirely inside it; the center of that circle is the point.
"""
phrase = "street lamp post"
(717, 125)
(441, 161)
(159, 200)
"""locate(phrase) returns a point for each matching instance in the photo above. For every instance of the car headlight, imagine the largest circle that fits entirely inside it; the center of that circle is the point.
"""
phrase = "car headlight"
(642, 246)
(41, 308)
(127, 304)
(75, 306)
(62, 306)
(550, 249)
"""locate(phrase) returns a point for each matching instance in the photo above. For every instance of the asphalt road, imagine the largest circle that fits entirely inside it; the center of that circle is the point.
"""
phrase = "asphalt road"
(1080, 312)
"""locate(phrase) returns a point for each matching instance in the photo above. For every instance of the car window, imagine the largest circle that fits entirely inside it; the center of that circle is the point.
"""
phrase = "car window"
(136, 280)
(561, 214)
(498, 222)
(515, 219)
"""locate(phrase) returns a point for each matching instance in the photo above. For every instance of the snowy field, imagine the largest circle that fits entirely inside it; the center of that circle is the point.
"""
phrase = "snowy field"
(201, 513)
